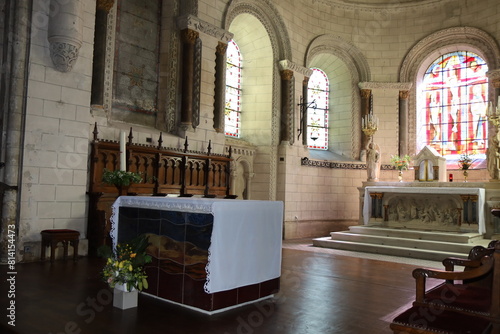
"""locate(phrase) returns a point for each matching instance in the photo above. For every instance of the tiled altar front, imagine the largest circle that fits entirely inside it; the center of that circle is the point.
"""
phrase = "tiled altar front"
(208, 254)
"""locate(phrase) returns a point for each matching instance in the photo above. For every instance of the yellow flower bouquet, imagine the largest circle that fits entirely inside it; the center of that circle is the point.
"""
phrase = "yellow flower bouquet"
(124, 265)
(401, 162)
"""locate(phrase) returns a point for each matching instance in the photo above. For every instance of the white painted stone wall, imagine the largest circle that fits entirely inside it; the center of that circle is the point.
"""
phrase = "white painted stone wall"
(57, 135)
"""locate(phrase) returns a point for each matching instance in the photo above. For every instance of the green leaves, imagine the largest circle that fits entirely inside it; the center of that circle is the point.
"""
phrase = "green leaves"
(120, 177)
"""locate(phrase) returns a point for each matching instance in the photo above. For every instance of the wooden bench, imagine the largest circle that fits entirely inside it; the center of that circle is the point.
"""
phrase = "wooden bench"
(465, 302)
(65, 236)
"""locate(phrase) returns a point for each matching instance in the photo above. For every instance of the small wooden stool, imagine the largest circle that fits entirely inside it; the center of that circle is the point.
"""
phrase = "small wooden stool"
(53, 237)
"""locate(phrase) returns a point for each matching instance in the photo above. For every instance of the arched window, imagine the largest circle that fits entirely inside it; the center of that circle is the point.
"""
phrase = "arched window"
(233, 91)
(454, 95)
(317, 113)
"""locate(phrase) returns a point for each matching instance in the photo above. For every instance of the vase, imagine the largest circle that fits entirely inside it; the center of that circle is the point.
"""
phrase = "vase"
(400, 176)
(465, 175)
(122, 190)
(124, 299)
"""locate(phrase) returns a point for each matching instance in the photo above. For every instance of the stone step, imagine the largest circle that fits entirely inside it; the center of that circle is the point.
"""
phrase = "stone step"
(403, 242)
(424, 254)
(456, 237)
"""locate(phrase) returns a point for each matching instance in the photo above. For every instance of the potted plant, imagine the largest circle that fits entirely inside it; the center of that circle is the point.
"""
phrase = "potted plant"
(401, 163)
(122, 180)
(124, 270)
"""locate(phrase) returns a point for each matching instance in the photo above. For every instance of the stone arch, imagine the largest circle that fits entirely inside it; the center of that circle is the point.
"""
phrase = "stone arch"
(348, 52)
(276, 31)
(270, 19)
(358, 71)
(243, 173)
(420, 56)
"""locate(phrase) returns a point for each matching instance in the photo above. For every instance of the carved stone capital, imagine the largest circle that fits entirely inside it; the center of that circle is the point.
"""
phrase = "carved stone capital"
(221, 48)
(288, 65)
(404, 94)
(495, 82)
(194, 23)
(105, 5)
(494, 77)
(365, 93)
(286, 75)
(189, 36)
(65, 33)
(64, 55)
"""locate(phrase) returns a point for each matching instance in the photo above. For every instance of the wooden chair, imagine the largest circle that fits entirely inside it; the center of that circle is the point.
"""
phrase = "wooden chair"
(466, 302)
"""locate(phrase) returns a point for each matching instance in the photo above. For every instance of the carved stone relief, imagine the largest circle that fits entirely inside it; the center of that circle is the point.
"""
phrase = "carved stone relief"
(429, 212)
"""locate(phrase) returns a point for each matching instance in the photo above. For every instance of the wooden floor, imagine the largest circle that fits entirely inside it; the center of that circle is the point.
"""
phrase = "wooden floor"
(320, 293)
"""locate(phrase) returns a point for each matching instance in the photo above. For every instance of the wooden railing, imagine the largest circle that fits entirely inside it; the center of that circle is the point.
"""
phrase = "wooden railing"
(164, 170)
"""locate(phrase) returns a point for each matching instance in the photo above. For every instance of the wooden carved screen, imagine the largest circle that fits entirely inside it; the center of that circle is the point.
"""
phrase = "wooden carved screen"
(164, 171)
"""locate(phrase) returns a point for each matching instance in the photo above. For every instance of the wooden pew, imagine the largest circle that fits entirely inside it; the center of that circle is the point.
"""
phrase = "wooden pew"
(465, 302)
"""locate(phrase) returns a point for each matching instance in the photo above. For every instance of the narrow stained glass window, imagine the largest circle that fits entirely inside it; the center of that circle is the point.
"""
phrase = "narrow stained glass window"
(233, 91)
(317, 113)
(453, 115)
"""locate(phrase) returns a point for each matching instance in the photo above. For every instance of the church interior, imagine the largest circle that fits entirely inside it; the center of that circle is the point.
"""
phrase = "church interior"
(270, 145)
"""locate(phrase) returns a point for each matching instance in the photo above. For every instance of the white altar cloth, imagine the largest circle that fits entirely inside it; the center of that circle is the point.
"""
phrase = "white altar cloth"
(246, 237)
(480, 192)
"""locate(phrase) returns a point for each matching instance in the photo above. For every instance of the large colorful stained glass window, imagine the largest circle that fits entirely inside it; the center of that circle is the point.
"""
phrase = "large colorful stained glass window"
(453, 118)
(317, 114)
(233, 91)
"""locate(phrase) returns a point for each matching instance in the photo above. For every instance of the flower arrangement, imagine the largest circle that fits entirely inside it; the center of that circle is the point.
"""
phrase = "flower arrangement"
(401, 162)
(124, 265)
(120, 177)
(465, 161)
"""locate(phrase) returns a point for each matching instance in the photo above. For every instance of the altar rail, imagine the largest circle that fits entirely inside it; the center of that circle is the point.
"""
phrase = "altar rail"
(165, 171)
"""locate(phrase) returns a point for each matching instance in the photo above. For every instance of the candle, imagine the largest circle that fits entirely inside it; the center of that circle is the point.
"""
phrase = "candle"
(123, 152)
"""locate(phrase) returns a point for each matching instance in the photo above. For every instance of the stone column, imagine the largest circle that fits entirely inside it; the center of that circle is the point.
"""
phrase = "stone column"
(220, 87)
(192, 32)
(99, 59)
(403, 122)
(287, 70)
(189, 38)
(494, 78)
(286, 105)
(65, 33)
(15, 77)
(303, 110)
(366, 95)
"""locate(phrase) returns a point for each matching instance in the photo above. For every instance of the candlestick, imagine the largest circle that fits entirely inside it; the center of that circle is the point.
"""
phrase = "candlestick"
(123, 152)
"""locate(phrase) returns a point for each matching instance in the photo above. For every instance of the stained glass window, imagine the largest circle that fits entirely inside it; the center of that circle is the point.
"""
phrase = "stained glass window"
(233, 91)
(317, 113)
(453, 118)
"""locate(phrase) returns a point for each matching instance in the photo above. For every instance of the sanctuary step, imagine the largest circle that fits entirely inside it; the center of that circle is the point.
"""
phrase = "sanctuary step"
(426, 245)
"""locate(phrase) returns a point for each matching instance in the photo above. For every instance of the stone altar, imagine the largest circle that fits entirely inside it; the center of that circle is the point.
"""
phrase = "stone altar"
(436, 206)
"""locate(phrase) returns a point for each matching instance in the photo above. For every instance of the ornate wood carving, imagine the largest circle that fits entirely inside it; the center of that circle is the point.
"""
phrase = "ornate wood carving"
(164, 171)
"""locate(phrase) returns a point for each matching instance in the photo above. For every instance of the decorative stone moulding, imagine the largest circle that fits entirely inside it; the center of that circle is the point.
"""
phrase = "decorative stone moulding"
(65, 33)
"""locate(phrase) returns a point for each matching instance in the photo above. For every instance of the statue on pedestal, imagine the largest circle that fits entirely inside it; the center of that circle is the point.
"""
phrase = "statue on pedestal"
(493, 157)
(373, 162)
